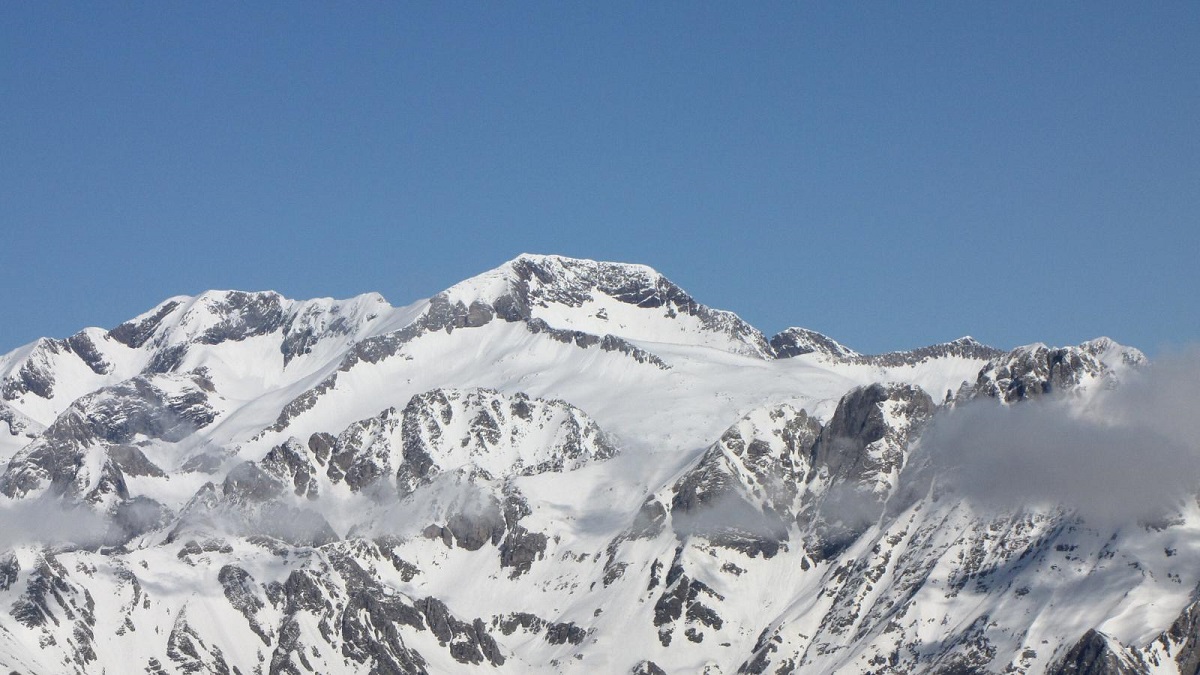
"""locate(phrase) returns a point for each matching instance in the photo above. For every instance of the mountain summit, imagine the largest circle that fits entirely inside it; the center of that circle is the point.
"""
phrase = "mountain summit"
(630, 301)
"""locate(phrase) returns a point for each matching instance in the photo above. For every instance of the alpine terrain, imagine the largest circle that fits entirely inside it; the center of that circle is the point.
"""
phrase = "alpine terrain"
(557, 466)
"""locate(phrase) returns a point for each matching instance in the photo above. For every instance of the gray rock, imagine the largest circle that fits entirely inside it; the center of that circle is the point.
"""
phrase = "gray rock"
(859, 421)
(249, 483)
(9, 569)
(35, 376)
(203, 463)
(469, 643)
(135, 517)
(647, 668)
(82, 346)
(746, 488)
(18, 424)
(1093, 655)
(245, 315)
(524, 621)
(1183, 639)
(136, 334)
(1035, 371)
(321, 444)
(133, 462)
(564, 633)
(290, 463)
(800, 341)
(853, 457)
(296, 526)
(964, 348)
(240, 591)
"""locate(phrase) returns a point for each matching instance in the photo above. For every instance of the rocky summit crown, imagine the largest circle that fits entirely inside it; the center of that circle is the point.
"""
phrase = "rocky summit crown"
(559, 465)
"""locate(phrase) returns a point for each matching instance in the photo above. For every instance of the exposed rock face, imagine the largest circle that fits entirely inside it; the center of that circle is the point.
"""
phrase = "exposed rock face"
(135, 333)
(776, 474)
(209, 319)
(294, 465)
(865, 440)
(136, 516)
(800, 341)
(497, 434)
(106, 424)
(244, 315)
(685, 603)
(133, 462)
(526, 289)
(542, 281)
(270, 497)
(518, 294)
(36, 374)
(1035, 371)
(442, 430)
(51, 602)
(17, 423)
(366, 452)
(242, 592)
(1106, 351)
(249, 483)
(857, 461)
(749, 484)
(1094, 655)
(491, 515)
(963, 348)
(647, 668)
(1183, 638)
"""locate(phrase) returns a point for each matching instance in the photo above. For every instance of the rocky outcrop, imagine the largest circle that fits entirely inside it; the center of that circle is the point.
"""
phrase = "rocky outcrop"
(541, 281)
(1095, 655)
(1036, 371)
(107, 424)
(482, 430)
(749, 485)
(800, 341)
(37, 372)
(963, 348)
(796, 341)
(495, 433)
(492, 516)
(857, 459)
(137, 332)
(17, 423)
(53, 603)
(268, 497)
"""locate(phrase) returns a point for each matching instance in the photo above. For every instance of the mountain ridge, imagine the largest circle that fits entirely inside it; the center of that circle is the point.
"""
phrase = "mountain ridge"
(508, 285)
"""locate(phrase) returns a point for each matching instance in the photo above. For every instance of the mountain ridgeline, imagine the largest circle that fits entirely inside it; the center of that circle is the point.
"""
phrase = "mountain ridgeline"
(559, 465)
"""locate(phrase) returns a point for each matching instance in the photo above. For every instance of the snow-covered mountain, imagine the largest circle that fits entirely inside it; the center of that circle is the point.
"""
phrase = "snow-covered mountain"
(559, 465)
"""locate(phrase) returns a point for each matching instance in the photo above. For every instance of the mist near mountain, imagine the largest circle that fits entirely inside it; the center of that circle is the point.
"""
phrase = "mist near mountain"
(1130, 452)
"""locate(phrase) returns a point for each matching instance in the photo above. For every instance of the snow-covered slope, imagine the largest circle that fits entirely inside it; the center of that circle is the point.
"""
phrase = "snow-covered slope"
(557, 466)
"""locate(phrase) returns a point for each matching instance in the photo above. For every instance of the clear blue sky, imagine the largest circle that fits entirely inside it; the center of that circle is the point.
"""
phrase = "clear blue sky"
(891, 174)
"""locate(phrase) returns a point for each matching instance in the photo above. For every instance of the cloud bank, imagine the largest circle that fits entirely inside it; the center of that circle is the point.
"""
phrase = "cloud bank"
(1127, 453)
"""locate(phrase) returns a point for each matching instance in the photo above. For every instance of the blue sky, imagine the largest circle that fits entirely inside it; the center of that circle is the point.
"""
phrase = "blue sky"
(891, 174)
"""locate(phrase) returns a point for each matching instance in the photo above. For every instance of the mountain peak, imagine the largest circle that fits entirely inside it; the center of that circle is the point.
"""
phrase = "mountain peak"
(1114, 354)
(629, 301)
(796, 341)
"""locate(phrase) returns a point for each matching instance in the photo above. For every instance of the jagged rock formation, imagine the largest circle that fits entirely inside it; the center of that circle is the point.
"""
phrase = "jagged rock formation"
(800, 341)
